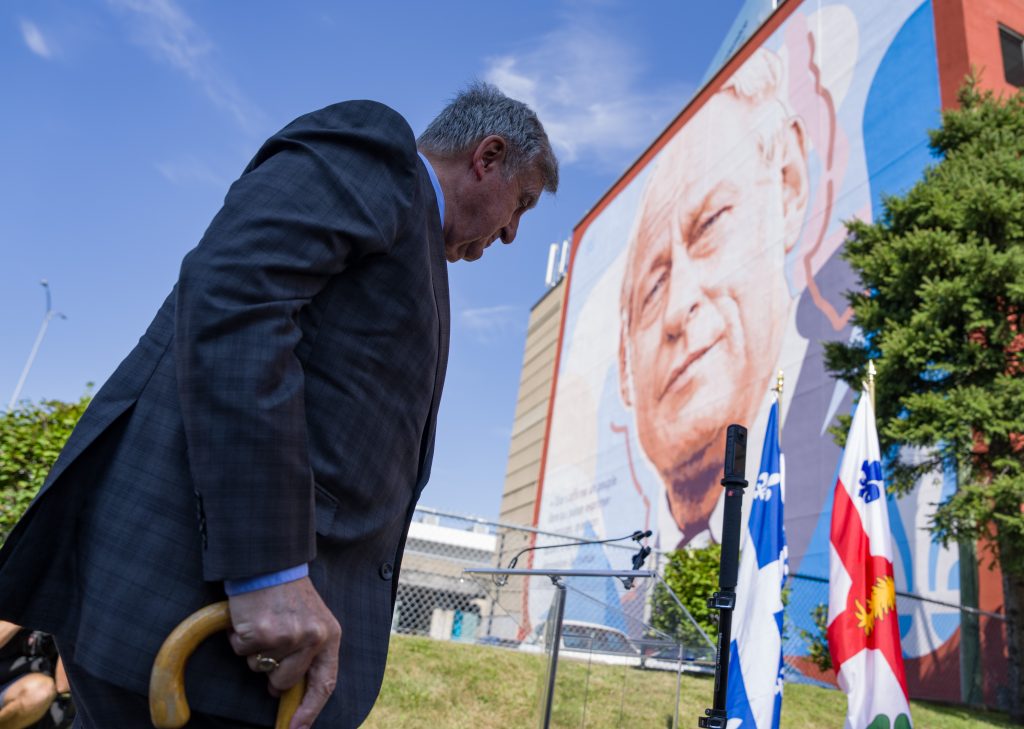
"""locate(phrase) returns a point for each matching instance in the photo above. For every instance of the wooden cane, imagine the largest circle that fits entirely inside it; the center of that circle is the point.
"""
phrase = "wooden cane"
(168, 706)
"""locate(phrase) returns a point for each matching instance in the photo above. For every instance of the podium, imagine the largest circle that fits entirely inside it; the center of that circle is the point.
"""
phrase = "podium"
(609, 622)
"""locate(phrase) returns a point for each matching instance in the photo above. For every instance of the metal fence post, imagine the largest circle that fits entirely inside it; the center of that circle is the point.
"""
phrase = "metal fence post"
(497, 589)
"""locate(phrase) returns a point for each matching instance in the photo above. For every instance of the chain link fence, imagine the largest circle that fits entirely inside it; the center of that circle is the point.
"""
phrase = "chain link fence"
(436, 599)
(930, 635)
(604, 620)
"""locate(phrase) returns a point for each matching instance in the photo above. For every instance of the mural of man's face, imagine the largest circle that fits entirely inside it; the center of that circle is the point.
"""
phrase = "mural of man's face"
(705, 299)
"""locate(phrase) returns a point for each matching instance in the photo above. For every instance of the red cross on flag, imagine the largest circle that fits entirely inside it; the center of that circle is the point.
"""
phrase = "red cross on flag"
(863, 632)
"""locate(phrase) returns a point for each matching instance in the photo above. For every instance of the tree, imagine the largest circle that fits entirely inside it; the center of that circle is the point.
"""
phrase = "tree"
(692, 574)
(817, 640)
(31, 437)
(941, 311)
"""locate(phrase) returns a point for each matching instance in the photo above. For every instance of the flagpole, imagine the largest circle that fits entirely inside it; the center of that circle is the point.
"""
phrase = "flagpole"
(779, 381)
(868, 632)
(869, 383)
(756, 667)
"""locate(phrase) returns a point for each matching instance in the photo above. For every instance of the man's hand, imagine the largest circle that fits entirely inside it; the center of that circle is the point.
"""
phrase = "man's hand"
(290, 624)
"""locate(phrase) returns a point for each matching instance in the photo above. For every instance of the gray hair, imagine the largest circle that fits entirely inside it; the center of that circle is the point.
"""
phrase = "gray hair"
(481, 110)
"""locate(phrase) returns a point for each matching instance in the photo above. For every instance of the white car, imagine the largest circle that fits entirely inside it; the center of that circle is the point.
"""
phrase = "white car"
(668, 655)
(587, 642)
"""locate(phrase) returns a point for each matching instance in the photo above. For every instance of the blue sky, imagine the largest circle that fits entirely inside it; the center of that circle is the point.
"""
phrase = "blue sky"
(125, 120)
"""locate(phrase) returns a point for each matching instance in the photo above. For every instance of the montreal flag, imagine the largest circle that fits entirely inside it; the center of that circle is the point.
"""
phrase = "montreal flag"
(754, 691)
(863, 632)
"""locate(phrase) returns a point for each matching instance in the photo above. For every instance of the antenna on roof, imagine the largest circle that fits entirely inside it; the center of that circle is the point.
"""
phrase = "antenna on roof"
(549, 278)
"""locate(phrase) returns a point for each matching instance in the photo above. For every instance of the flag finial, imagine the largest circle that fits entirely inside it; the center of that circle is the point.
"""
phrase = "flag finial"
(779, 380)
(869, 383)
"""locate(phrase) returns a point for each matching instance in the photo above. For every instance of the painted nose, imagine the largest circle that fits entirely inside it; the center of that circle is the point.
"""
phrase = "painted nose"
(684, 301)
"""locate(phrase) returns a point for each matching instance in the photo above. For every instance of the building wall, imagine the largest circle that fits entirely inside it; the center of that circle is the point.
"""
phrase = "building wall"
(864, 82)
(967, 35)
(519, 498)
(520, 493)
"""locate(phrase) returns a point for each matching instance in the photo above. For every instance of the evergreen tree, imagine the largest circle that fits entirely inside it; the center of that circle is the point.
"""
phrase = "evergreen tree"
(941, 311)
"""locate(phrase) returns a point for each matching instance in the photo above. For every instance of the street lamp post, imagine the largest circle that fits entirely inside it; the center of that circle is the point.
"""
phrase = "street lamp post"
(50, 313)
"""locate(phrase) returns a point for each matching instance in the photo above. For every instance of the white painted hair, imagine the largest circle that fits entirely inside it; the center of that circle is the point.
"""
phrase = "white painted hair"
(760, 81)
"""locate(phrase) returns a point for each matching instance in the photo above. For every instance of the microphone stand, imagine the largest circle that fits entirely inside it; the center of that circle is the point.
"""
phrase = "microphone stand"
(556, 615)
(724, 600)
(627, 582)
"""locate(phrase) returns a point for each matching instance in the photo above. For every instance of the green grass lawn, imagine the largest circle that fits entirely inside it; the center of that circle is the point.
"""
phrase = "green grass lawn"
(439, 685)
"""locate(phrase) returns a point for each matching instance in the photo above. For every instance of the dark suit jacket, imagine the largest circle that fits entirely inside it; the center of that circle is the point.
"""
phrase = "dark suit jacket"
(280, 409)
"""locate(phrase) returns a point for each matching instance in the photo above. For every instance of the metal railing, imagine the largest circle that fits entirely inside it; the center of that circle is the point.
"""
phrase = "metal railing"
(436, 599)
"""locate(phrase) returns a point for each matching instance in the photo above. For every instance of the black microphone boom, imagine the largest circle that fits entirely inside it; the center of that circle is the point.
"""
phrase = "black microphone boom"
(724, 600)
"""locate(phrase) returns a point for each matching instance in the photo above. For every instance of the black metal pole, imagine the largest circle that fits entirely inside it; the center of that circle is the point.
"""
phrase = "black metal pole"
(724, 600)
(553, 638)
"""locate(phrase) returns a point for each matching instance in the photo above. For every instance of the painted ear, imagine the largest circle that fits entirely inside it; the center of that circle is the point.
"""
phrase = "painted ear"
(795, 192)
(625, 378)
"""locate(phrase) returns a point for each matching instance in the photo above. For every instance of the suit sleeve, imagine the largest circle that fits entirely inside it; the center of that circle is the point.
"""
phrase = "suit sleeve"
(330, 189)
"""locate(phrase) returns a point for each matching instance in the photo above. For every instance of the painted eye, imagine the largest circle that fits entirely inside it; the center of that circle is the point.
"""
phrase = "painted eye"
(655, 289)
(710, 221)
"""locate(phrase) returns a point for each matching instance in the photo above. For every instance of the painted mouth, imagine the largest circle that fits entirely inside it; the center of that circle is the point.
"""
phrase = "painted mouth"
(679, 373)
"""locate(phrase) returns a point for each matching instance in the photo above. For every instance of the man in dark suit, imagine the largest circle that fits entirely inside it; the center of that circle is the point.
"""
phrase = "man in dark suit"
(270, 434)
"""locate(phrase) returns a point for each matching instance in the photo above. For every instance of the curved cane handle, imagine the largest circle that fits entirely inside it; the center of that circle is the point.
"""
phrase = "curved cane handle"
(168, 707)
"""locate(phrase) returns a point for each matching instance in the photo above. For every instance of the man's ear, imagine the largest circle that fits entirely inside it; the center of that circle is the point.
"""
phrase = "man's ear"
(625, 374)
(795, 192)
(489, 154)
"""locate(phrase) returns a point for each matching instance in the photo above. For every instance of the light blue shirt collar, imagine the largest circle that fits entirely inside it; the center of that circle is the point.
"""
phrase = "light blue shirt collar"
(437, 187)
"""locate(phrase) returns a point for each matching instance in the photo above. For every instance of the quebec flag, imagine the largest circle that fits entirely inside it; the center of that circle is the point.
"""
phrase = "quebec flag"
(754, 692)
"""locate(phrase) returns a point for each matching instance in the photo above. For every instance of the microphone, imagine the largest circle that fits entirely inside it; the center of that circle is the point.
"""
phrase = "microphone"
(638, 558)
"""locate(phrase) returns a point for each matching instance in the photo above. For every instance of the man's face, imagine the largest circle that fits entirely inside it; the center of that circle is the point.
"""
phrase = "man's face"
(487, 205)
(706, 300)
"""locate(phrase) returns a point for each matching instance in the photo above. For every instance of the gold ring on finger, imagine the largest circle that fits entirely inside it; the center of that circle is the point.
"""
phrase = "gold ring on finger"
(266, 664)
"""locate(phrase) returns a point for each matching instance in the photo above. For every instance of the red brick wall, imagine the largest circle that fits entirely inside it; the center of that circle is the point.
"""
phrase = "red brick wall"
(967, 34)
